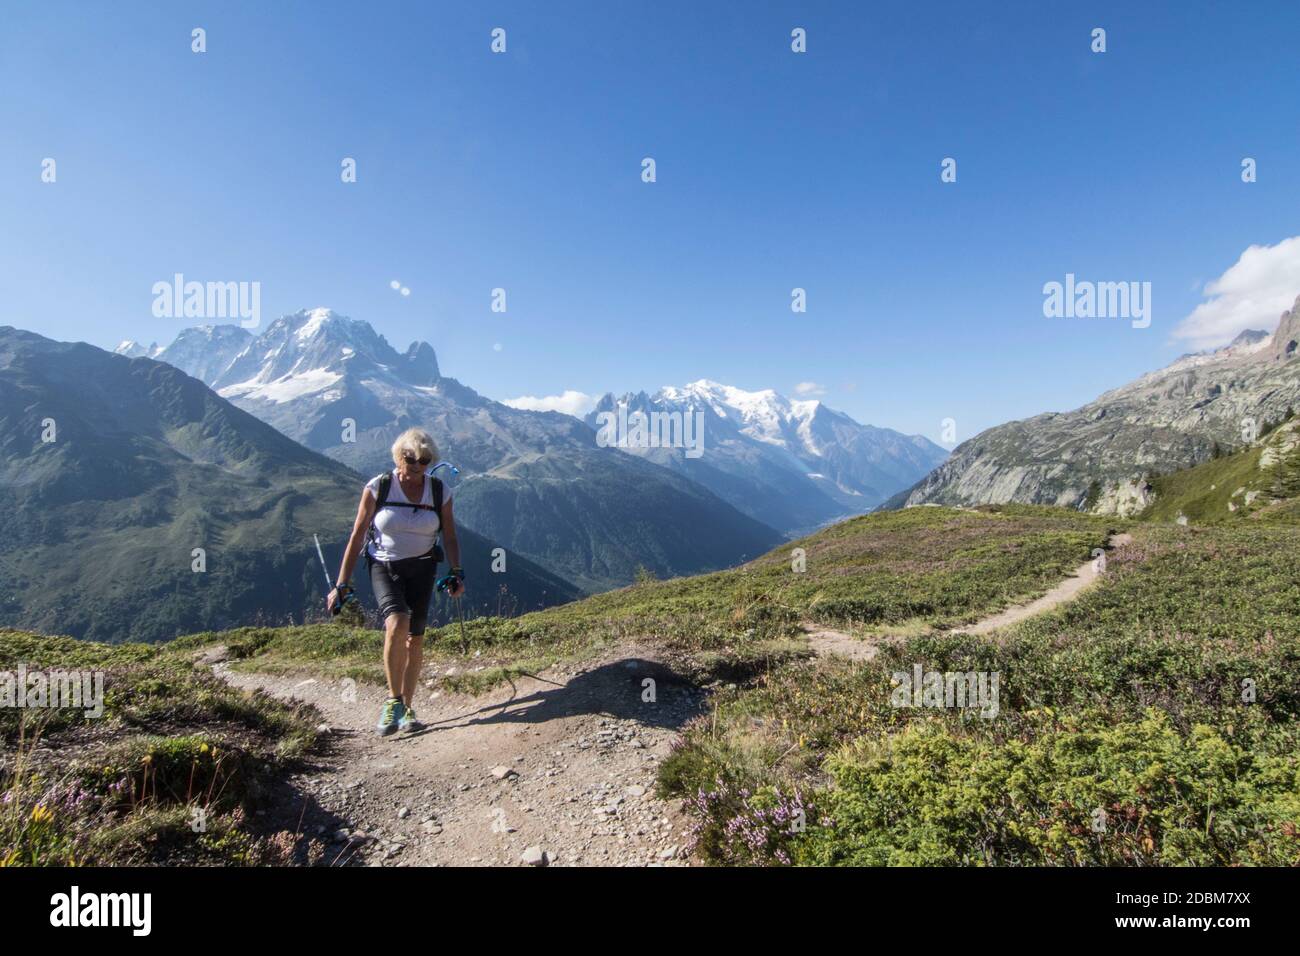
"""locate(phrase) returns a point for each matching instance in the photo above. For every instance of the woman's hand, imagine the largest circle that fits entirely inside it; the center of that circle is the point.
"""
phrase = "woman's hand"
(457, 586)
(338, 597)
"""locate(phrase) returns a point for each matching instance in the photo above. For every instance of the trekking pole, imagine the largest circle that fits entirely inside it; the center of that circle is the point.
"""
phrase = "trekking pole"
(444, 584)
(329, 585)
(460, 613)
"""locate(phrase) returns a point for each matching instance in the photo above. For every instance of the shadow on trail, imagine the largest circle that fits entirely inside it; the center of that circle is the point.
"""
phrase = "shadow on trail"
(632, 689)
(286, 807)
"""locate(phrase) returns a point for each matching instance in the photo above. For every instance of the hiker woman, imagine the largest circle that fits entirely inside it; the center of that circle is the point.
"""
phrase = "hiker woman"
(398, 521)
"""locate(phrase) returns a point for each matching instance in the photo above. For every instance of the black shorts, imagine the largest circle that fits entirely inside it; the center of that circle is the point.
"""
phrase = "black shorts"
(405, 587)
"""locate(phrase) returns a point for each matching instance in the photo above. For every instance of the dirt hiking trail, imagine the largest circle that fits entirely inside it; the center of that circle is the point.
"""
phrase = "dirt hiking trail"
(558, 770)
(839, 644)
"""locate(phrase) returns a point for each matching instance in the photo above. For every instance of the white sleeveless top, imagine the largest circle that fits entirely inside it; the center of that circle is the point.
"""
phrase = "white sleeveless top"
(404, 532)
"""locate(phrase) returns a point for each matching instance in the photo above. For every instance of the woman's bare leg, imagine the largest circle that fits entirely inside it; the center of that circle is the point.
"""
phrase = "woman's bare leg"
(395, 652)
(414, 661)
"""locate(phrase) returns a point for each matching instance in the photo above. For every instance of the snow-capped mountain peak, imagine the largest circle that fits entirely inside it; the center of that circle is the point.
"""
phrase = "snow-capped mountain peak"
(764, 415)
(312, 352)
(203, 351)
(804, 408)
(316, 319)
(133, 349)
(308, 352)
(807, 463)
(788, 464)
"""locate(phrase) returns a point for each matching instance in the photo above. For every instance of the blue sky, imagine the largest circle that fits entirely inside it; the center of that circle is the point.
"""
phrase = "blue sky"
(775, 170)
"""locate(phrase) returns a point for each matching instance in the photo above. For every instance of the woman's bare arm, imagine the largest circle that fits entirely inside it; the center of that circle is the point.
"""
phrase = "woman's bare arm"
(453, 544)
(357, 540)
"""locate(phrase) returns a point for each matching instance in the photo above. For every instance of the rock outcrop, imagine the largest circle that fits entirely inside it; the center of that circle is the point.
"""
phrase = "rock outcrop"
(1098, 456)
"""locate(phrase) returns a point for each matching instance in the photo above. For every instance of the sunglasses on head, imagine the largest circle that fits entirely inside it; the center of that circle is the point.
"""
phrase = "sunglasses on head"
(411, 460)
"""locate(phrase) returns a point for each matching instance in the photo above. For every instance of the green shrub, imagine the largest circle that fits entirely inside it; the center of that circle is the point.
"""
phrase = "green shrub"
(1166, 697)
(1071, 791)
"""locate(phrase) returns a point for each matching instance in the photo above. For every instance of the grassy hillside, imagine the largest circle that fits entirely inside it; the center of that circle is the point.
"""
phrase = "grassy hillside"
(596, 517)
(173, 743)
(1261, 482)
(121, 789)
(99, 527)
(904, 571)
(1151, 721)
(1154, 720)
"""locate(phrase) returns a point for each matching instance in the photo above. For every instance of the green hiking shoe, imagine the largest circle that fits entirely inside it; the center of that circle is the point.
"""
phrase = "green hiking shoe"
(390, 716)
(408, 720)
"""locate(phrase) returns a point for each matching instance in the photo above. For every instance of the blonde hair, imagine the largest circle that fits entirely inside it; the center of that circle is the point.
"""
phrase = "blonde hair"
(416, 442)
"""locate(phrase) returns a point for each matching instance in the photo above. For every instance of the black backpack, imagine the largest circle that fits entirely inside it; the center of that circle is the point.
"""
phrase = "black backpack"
(381, 501)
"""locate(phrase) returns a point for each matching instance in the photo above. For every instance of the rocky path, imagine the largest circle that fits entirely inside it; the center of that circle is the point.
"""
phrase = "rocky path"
(557, 770)
(840, 644)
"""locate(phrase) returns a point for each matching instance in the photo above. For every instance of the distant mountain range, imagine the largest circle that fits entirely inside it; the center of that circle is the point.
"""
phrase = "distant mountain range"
(311, 373)
(795, 465)
(1097, 457)
(536, 482)
(157, 508)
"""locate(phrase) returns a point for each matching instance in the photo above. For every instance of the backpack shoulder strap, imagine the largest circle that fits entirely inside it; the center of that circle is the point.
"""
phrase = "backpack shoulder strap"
(385, 481)
(385, 486)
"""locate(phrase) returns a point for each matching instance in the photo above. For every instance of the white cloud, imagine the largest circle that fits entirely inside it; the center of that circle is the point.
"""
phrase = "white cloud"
(571, 402)
(1252, 294)
(809, 388)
